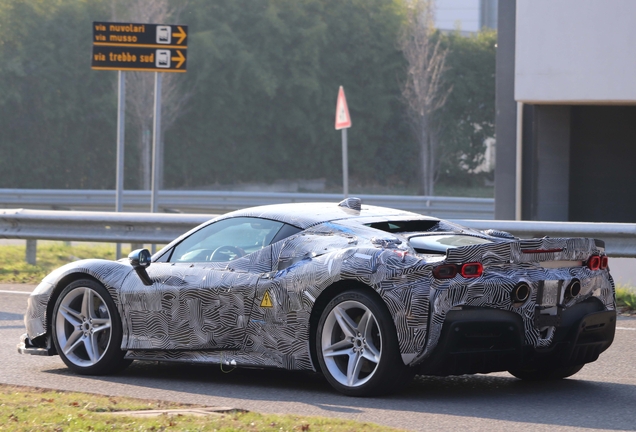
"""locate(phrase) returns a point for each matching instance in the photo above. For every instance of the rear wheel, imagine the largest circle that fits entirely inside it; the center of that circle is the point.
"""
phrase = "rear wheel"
(546, 373)
(357, 346)
(87, 330)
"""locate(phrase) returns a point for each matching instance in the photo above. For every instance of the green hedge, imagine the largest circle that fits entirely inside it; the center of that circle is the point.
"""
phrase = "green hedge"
(263, 76)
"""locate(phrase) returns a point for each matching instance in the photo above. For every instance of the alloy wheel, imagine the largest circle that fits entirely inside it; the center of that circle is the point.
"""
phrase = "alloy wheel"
(351, 343)
(83, 326)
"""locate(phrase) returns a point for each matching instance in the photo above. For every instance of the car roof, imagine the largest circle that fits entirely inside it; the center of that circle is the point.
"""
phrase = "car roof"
(305, 215)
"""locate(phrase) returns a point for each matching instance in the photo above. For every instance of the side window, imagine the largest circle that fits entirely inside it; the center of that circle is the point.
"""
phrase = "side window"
(226, 240)
(284, 232)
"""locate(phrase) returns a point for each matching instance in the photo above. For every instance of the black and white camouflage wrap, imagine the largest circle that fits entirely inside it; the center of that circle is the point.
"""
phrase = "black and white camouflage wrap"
(110, 274)
(212, 312)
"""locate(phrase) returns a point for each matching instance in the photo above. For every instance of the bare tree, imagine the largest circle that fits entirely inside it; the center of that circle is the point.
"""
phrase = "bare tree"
(140, 85)
(424, 91)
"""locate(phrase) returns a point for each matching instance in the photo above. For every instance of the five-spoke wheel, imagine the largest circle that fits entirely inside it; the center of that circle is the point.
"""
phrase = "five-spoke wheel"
(357, 347)
(351, 343)
(87, 329)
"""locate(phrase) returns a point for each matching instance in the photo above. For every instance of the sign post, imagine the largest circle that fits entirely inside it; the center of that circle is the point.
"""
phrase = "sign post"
(156, 142)
(121, 111)
(343, 122)
(142, 48)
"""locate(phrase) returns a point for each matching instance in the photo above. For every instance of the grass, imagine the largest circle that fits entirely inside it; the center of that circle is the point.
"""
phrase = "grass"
(31, 409)
(626, 297)
(50, 255)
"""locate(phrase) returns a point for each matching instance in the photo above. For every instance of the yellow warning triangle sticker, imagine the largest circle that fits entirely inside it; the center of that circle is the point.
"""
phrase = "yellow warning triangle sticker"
(267, 301)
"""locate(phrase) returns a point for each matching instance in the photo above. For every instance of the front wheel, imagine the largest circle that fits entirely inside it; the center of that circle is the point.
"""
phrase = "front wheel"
(86, 329)
(357, 346)
(546, 373)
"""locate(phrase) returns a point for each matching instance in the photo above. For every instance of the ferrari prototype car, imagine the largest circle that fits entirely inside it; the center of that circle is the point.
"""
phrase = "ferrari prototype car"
(368, 296)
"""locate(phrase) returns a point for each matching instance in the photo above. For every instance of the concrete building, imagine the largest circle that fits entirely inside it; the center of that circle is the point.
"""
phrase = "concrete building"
(467, 16)
(570, 66)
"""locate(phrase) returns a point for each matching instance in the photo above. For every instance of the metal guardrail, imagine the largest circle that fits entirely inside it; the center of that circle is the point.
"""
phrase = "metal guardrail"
(620, 238)
(96, 226)
(224, 201)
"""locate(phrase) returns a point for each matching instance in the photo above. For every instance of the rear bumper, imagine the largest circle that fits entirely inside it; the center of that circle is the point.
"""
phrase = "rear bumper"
(491, 340)
(25, 346)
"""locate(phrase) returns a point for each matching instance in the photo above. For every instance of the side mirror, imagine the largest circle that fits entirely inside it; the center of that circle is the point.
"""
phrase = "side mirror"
(140, 259)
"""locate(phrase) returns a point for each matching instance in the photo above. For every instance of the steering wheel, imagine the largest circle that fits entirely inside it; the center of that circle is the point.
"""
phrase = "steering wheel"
(218, 252)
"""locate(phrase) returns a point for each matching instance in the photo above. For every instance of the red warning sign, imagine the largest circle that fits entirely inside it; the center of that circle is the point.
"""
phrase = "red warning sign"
(343, 119)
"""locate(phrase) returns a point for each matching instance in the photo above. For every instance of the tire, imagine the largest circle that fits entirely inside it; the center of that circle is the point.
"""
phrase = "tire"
(546, 373)
(357, 347)
(86, 329)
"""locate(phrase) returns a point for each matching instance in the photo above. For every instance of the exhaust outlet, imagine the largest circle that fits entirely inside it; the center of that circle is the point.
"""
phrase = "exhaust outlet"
(573, 289)
(520, 294)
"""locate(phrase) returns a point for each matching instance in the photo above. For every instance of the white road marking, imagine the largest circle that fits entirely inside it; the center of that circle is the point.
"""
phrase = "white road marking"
(15, 292)
(625, 328)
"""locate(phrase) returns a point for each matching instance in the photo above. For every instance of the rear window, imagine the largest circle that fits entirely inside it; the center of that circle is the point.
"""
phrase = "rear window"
(404, 226)
(439, 244)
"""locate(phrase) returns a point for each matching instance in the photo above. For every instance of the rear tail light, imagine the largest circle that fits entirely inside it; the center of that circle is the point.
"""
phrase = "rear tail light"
(594, 262)
(447, 271)
(472, 270)
(604, 262)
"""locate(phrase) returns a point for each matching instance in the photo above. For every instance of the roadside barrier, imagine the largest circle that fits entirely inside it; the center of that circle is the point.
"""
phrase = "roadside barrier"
(161, 228)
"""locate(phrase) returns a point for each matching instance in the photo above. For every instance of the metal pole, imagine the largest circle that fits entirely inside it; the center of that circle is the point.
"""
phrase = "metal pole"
(121, 112)
(156, 126)
(519, 162)
(345, 165)
(31, 251)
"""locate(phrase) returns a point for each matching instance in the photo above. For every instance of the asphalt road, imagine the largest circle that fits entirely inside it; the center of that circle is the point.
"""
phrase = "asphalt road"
(600, 397)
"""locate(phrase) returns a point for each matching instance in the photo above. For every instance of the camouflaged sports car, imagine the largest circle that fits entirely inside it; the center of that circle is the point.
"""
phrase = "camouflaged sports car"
(368, 296)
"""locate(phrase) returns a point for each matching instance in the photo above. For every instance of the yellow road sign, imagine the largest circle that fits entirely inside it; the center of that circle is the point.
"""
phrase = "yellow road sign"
(139, 47)
(138, 59)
